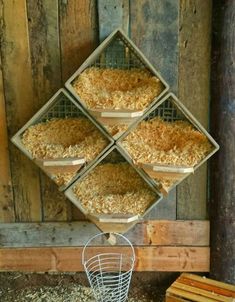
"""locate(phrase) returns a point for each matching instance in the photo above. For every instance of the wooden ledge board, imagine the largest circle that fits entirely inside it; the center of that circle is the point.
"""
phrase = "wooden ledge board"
(152, 232)
(68, 259)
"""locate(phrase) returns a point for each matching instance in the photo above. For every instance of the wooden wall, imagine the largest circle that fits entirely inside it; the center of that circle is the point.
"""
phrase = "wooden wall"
(42, 44)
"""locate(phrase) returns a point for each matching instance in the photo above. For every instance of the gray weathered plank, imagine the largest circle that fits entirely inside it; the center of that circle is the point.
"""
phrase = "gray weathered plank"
(112, 14)
(157, 232)
(154, 29)
(194, 76)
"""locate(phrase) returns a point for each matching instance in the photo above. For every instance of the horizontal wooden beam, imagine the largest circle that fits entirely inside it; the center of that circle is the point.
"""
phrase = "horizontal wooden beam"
(152, 232)
(184, 259)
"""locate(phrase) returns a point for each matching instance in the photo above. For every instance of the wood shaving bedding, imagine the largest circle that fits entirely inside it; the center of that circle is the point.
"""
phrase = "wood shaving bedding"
(114, 189)
(64, 138)
(174, 143)
(116, 130)
(117, 88)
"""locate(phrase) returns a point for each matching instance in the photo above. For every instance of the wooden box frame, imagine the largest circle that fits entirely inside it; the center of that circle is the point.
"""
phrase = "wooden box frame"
(91, 61)
(177, 112)
(120, 223)
(40, 116)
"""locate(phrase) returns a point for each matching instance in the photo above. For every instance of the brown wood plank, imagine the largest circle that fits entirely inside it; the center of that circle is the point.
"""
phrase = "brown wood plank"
(222, 170)
(78, 38)
(206, 286)
(208, 281)
(192, 233)
(189, 296)
(69, 259)
(20, 106)
(7, 213)
(45, 57)
(194, 69)
(154, 29)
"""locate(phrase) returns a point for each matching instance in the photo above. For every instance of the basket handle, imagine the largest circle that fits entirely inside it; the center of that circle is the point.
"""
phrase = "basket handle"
(101, 234)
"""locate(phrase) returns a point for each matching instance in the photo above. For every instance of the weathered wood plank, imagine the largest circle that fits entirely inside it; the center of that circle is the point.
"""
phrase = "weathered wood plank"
(20, 106)
(154, 29)
(194, 70)
(168, 233)
(222, 185)
(46, 70)
(7, 213)
(78, 38)
(68, 259)
(112, 14)
(78, 33)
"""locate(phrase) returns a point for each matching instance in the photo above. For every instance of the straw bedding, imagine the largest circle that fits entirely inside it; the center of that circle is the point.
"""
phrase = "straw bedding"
(64, 138)
(114, 189)
(117, 88)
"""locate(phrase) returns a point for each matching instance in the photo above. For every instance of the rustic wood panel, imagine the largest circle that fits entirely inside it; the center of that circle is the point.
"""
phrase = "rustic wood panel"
(112, 14)
(7, 213)
(78, 38)
(168, 233)
(20, 106)
(194, 70)
(46, 80)
(69, 259)
(222, 186)
(154, 29)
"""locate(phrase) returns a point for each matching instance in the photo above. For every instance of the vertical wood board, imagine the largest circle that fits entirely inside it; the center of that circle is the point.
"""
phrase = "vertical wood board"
(20, 106)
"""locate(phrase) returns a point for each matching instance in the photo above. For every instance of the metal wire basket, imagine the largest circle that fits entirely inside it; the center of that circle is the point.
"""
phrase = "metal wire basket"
(109, 274)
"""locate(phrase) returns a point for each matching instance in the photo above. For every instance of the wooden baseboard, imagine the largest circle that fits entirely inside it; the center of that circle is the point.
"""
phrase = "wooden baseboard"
(68, 259)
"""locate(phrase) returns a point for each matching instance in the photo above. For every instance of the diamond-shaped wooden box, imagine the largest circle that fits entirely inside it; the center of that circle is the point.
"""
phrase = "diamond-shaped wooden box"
(167, 143)
(117, 58)
(112, 193)
(58, 125)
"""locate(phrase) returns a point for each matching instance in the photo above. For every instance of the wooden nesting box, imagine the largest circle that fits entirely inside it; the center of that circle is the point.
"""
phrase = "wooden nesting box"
(112, 193)
(167, 143)
(189, 287)
(53, 138)
(118, 68)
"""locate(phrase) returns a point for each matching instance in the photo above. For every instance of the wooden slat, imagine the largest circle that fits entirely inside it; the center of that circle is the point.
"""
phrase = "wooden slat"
(190, 296)
(210, 282)
(154, 29)
(112, 14)
(7, 213)
(78, 38)
(194, 69)
(161, 233)
(20, 106)
(69, 259)
(45, 58)
(222, 170)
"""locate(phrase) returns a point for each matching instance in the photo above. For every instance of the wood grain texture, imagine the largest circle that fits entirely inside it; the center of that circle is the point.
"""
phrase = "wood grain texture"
(222, 170)
(78, 33)
(20, 106)
(68, 259)
(7, 213)
(43, 23)
(78, 38)
(158, 232)
(194, 71)
(112, 14)
(154, 29)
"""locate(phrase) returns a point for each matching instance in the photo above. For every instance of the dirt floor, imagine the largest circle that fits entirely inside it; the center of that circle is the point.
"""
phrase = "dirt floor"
(17, 287)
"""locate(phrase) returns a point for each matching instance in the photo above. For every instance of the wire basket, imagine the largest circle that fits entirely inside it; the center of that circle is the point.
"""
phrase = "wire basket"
(169, 109)
(61, 106)
(117, 51)
(109, 274)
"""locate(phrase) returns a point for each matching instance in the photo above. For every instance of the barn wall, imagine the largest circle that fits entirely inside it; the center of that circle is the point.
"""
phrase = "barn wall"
(43, 43)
